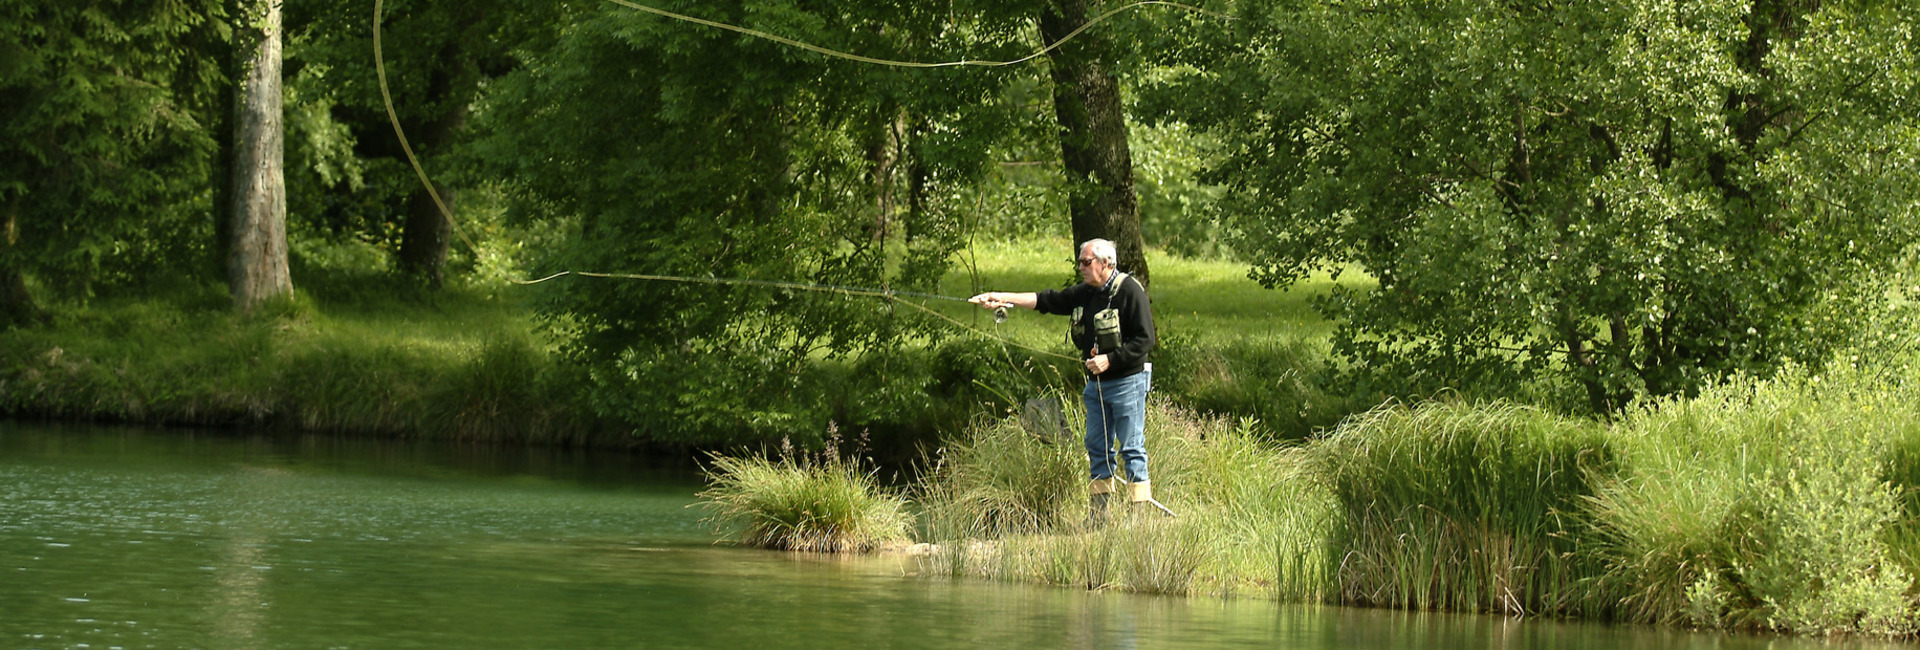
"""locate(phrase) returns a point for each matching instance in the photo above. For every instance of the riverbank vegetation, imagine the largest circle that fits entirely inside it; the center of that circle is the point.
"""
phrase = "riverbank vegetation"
(1600, 309)
(1783, 504)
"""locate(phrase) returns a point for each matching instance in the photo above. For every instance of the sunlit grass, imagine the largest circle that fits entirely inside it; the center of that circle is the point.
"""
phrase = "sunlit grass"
(1251, 519)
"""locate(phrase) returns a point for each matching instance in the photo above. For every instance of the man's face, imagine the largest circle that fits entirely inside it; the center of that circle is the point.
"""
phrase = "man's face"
(1092, 270)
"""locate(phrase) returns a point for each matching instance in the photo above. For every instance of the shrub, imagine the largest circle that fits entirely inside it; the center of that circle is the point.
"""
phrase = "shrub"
(1763, 504)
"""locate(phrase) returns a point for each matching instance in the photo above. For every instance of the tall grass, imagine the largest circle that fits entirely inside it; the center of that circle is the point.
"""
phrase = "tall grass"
(1461, 507)
(1783, 504)
(1250, 520)
(1005, 480)
(826, 506)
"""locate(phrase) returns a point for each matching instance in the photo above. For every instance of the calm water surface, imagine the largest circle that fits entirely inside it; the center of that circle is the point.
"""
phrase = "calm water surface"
(129, 538)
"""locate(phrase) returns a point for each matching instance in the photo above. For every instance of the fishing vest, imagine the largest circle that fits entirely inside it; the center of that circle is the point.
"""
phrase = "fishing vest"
(1106, 322)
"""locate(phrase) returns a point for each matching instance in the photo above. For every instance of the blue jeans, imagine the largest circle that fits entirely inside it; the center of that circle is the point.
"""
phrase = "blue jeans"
(1117, 409)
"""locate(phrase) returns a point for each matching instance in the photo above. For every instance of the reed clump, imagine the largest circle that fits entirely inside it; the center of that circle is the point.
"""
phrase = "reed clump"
(798, 502)
(1461, 507)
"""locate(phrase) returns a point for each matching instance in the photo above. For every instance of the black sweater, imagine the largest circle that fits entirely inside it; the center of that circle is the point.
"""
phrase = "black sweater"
(1126, 349)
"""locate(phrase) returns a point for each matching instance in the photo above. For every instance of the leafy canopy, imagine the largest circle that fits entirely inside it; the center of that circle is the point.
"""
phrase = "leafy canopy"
(673, 149)
(1639, 195)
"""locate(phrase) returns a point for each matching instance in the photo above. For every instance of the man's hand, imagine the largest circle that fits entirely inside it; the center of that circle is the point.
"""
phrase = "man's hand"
(988, 301)
(1098, 363)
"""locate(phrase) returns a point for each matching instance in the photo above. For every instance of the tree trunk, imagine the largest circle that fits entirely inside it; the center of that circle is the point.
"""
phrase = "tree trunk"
(257, 259)
(16, 303)
(427, 235)
(885, 149)
(425, 239)
(1093, 137)
(220, 122)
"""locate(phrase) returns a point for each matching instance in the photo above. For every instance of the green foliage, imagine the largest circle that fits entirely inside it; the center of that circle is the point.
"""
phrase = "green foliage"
(1638, 195)
(1765, 504)
(1279, 382)
(738, 158)
(106, 139)
(348, 179)
(1177, 211)
(824, 505)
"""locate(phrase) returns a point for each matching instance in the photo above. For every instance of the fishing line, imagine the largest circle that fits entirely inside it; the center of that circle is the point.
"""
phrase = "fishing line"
(406, 147)
(913, 64)
(891, 295)
(386, 96)
(805, 286)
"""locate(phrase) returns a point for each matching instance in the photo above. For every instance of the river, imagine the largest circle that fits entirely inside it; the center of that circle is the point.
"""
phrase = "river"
(114, 537)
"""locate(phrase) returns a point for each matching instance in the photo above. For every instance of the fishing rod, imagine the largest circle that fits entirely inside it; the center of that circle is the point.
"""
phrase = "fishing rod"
(891, 295)
(803, 286)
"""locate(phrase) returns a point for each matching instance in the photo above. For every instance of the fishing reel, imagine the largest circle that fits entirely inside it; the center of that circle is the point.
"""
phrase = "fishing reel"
(1000, 314)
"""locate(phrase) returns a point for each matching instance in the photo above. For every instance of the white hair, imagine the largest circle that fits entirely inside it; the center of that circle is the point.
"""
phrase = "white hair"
(1101, 249)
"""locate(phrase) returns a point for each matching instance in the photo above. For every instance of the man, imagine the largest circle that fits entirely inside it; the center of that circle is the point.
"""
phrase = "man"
(1112, 325)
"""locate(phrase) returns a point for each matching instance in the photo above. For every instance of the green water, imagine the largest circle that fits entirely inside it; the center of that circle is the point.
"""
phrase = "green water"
(126, 538)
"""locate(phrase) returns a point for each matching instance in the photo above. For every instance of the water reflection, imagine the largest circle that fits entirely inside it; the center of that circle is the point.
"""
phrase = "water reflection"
(113, 537)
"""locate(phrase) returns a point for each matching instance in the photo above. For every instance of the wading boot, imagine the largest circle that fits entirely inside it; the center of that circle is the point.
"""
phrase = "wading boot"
(1099, 493)
(1142, 492)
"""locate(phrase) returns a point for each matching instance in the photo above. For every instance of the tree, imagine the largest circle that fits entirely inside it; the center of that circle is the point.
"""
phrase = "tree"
(672, 149)
(104, 147)
(1093, 135)
(257, 256)
(437, 56)
(1639, 195)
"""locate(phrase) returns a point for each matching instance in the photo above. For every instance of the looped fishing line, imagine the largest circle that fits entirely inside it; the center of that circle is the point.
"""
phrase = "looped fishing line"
(386, 97)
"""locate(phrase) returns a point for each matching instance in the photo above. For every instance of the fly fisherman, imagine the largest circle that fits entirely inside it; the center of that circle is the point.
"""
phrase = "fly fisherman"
(1112, 325)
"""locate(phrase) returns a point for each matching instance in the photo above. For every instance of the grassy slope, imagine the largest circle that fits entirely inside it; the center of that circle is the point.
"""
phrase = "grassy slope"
(458, 365)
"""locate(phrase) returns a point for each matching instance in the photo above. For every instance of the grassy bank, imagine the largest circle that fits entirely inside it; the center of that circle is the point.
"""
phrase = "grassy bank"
(460, 365)
(1251, 518)
(365, 354)
(1784, 505)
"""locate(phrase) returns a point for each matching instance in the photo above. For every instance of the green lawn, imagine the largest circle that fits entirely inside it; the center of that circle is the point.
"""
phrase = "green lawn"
(1211, 301)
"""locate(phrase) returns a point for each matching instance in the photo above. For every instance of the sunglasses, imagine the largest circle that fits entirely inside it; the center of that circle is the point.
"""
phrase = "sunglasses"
(1084, 263)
